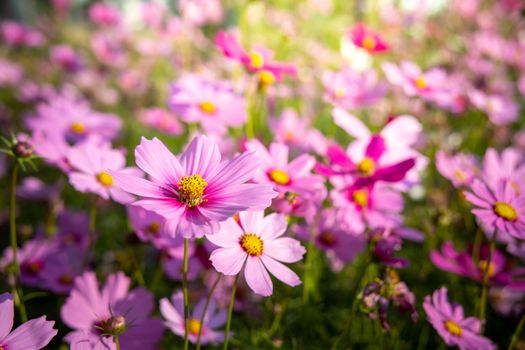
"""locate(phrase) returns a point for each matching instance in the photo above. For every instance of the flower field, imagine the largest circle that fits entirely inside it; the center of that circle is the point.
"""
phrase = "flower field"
(314, 174)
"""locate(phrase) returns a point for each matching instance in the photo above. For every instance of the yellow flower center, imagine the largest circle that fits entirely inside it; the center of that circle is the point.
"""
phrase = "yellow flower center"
(266, 77)
(339, 92)
(154, 228)
(105, 179)
(505, 211)
(360, 197)
(207, 107)
(66, 279)
(191, 190)
(453, 328)
(366, 166)
(78, 128)
(280, 177)
(421, 83)
(484, 266)
(252, 244)
(369, 43)
(459, 175)
(194, 326)
(327, 238)
(256, 60)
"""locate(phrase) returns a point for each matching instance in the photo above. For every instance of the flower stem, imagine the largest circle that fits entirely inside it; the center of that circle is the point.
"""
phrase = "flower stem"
(206, 309)
(516, 335)
(485, 285)
(230, 310)
(185, 292)
(17, 288)
(117, 343)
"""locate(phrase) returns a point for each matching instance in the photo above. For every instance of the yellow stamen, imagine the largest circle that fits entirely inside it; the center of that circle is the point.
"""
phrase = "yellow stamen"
(421, 83)
(506, 211)
(280, 177)
(78, 128)
(256, 60)
(369, 42)
(366, 167)
(360, 197)
(194, 326)
(252, 244)
(339, 92)
(484, 266)
(460, 175)
(207, 107)
(191, 190)
(453, 328)
(266, 78)
(105, 179)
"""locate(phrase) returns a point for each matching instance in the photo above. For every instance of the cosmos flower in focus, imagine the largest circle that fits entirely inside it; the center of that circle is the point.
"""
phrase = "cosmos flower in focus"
(32, 335)
(451, 324)
(96, 316)
(196, 190)
(173, 311)
(254, 245)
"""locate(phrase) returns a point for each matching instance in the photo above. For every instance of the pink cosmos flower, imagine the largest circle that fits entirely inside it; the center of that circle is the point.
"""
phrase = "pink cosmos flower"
(501, 109)
(34, 334)
(291, 129)
(104, 14)
(352, 90)
(414, 81)
(500, 209)
(66, 57)
(212, 104)
(377, 206)
(173, 311)
(448, 320)
(98, 315)
(255, 245)
(18, 34)
(196, 190)
(162, 120)
(259, 60)
(462, 263)
(72, 119)
(367, 39)
(109, 49)
(509, 166)
(460, 169)
(92, 162)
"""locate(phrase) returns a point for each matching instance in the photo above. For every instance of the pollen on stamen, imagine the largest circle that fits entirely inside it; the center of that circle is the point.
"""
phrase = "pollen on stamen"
(78, 128)
(360, 197)
(505, 211)
(369, 42)
(266, 78)
(453, 328)
(366, 167)
(484, 266)
(256, 60)
(252, 244)
(207, 107)
(420, 83)
(191, 190)
(279, 176)
(194, 326)
(105, 179)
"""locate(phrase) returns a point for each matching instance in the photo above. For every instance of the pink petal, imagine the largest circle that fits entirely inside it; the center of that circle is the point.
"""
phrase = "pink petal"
(257, 277)
(228, 236)
(350, 123)
(137, 185)
(34, 334)
(272, 226)
(6, 312)
(154, 158)
(201, 157)
(284, 249)
(228, 261)
(281, 272)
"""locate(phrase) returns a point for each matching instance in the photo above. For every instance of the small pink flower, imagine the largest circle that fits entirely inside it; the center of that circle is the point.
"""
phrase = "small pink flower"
(173, 311)
(10, 73)
(460, 169)
(367, 39)
(255, 245)
(66, 57)
(196, 190)
(162, 120)
(448, 320)
(104, 14)
(93, 161)
(17, 34)
(34, 334)
(501, 109)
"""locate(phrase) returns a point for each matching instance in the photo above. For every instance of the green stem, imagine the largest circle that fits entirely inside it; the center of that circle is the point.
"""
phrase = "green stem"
(485, 285)
(185, 292)
(117, 342)
(206, 309)
(17, 288)
(230, 311)
(516, 335)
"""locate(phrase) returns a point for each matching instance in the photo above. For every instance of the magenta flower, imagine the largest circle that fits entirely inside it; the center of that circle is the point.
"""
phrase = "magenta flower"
(352, 90)
(460, 169)
(72, 119)
(18, 34)
(501, 210)
(173, 312)
(32, 335)
(259, 60)
(212, 104)
(92, 162)
(255, 245)
(367, 39)
(196, 190)
(104, 14)
(162, 120)
(98, 315)
(66, 57)
(450, 323)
